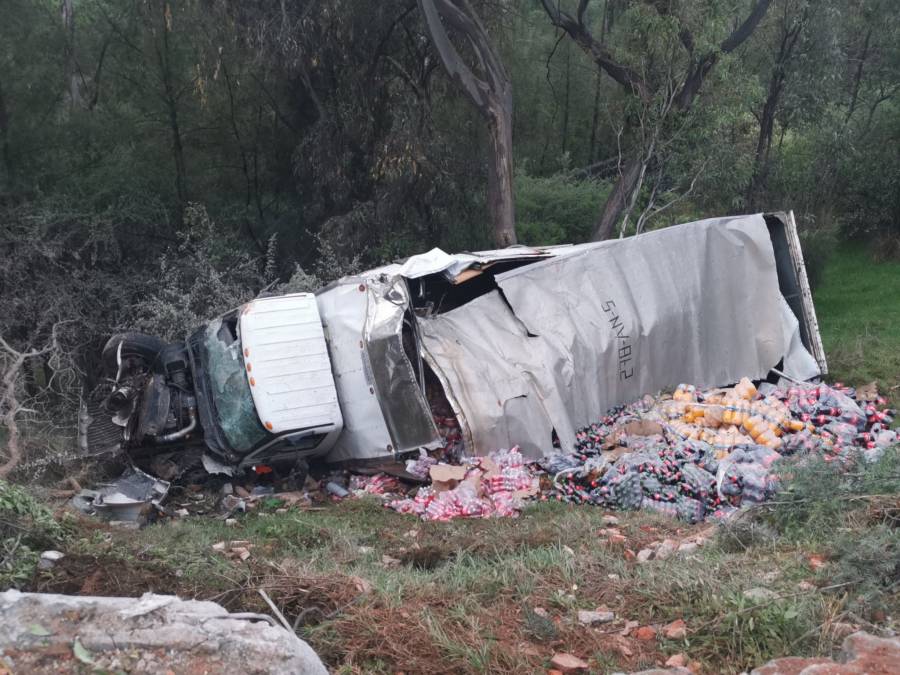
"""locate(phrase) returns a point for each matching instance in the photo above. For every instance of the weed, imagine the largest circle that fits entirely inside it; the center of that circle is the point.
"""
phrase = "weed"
(26, 527)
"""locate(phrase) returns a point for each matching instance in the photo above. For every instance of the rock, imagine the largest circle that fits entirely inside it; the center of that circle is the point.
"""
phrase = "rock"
(182, 513)
(124, 524)
(806, 586)
(568, 663)
(540, 611)
(759, 594)
(816, 562)
(616, 539)
(677, 661)
(629, 626)
(165, 632)
(666, 549)
(592, 618)
(676, 630)
(609, 520)
(861, 653)
(645, 555)
(231, 522)
(49, 559)
(645, 634)
(624, 649)
(688, 547)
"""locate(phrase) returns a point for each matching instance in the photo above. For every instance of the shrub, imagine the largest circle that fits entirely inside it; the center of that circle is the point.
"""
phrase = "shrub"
(26, 528)
(557, 209)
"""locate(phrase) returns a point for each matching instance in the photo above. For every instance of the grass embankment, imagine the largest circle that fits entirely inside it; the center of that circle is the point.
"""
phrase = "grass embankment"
(374, 591)
(858, 306)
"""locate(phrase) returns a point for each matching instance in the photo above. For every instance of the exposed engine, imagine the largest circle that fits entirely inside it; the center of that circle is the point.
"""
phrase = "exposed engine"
(152, 399)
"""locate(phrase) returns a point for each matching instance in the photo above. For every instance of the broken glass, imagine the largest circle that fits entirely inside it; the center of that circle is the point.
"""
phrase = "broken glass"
(228, 383)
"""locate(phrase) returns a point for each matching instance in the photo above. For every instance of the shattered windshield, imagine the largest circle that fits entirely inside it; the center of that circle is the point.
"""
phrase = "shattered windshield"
(228, 384)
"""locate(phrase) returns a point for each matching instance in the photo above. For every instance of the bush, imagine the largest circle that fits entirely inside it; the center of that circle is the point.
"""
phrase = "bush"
(850, 513)
(557, 209)
(818, 244)
(26, 528)
(823, 496)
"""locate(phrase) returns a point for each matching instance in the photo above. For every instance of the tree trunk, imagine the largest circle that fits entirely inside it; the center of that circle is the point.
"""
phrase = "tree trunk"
(500, 174)
(566, 97)
(171, 100)
(4, 142)
(763, 143)
(595, 120)
(770, 108)
(490, 91)
(617, 200)
(70, 65)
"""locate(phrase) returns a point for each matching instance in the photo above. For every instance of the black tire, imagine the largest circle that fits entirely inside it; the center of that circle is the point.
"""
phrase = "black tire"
(144, 346)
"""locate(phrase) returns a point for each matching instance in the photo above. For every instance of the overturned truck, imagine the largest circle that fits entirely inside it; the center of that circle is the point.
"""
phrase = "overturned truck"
(468, 352)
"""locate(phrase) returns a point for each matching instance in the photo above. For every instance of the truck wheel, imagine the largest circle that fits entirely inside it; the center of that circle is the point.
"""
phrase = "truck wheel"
(144, 346)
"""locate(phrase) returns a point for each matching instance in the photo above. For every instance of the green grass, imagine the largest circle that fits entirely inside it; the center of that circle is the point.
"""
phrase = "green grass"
(858, 307)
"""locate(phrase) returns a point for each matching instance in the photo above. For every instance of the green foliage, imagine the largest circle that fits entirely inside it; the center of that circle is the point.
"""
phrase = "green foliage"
(26, 528)
(556, 209)
(206, 273)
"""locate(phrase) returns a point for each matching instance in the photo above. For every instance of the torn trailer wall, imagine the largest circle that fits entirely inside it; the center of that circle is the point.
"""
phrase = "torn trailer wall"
(564, 339)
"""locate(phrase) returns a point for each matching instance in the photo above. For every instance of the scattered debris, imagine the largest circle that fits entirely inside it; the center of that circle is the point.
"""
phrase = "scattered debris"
(238, 549)
(568, 663)
(677, 661)
(128, 499)
(481, 487)
(49, 559)
(676, 630)
(760, 594)
(646, 633)
(596, 617)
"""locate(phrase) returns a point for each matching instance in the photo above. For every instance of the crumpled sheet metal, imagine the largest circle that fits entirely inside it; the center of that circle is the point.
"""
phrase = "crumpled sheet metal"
(343, 307)
(401, 399)
(581, 333)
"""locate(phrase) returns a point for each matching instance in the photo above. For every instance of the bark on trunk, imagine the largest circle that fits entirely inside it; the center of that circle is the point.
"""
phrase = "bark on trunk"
(70, 64)
(489, 91)
(4, 142)
(617, 200)
(500, 174)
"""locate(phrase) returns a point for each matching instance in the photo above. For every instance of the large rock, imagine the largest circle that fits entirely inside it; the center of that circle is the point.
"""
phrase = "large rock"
(861, 653)
(48, 633)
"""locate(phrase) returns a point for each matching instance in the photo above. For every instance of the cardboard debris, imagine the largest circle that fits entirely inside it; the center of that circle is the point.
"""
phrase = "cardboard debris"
(446, 476)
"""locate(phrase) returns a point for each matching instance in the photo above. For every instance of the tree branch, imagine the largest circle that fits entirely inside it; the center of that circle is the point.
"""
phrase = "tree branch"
(472, 86)
(577, 30)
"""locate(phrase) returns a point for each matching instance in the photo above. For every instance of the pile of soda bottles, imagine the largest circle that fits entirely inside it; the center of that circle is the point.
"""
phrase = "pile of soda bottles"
(495, 486)
(709, 452)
